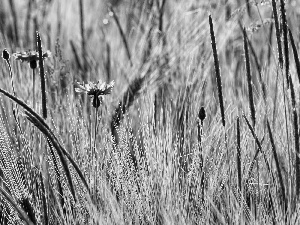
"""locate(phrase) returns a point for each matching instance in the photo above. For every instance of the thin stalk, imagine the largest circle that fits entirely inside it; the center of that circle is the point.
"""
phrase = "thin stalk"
(217, 69)
(249, 80)
(33, 89)
(42, 76)
(122, 35)
(296, 138)
(285, 40)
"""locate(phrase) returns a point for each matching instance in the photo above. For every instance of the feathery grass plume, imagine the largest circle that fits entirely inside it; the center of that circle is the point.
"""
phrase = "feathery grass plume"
(83, 46)
(15, 206)
(217, 69)
(277, 165)
(122, 34)
(41, 124)
(15, 20)
(249, 80)
(277, 31)
(132, 92)
(296, 136)
(296, 57)
(285, 40)
(238, 153)
(42, 75)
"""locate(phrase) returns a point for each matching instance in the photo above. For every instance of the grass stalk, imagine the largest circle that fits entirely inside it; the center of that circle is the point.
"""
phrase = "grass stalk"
(249, 80)
(238, 155)
(116, 19)
(15, 20)
(277, 164)
(42, 76)
(296, 57)
(82, 32)
(285, 40)
(217, 69)
(296, 138)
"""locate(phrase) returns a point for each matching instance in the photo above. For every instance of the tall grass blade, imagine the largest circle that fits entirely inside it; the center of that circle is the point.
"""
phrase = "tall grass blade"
(285, 40)
(249, 80)
(122, 35)
(83, 48)
(296, 57)
(238, 155)
(277, 164)
(217, 69)
(296, 136)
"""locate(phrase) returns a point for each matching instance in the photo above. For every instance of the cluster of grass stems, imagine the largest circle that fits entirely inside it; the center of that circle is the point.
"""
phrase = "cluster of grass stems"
(192, 133)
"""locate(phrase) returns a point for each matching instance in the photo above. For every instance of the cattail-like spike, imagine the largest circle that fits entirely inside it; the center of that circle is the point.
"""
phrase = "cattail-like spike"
(277, 31)
(249, 80)
(296, 57)
(285, 40)
(217, 69)
(42, 75)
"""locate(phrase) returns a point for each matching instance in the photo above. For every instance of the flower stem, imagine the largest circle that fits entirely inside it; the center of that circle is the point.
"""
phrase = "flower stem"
(33, 83)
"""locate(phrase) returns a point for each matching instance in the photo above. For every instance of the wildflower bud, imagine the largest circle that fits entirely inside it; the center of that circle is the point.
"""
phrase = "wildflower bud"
(5, 54)
(202, 114)
(33, 64)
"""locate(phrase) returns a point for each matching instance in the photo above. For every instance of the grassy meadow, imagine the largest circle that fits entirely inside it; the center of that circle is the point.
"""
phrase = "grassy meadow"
(195, 119)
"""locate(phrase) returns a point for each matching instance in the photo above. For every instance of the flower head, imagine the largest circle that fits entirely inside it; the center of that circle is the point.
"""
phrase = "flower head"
(96, 90)
(31, 57)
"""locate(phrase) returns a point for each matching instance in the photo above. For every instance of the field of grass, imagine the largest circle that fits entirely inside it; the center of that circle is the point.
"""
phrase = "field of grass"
(195, 119)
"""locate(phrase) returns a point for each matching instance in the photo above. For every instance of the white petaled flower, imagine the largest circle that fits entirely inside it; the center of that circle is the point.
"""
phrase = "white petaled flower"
(29, 56)
(97, 90)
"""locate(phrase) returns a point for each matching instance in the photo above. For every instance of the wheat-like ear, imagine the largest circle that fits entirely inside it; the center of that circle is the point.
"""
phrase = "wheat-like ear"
(217, 68)
(41, 125)
(132, 92)
(21, 213)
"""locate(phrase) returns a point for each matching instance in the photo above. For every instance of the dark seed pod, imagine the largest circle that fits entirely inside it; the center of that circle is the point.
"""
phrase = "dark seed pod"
(5, 54)
(96, 101)
(202, 114)
(33, 64)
